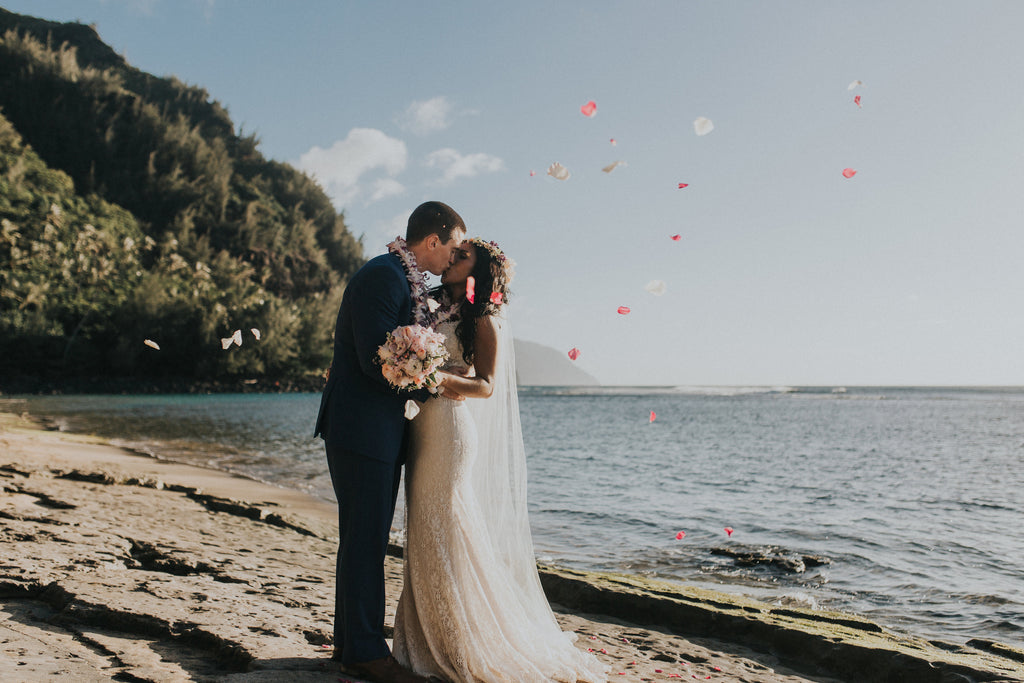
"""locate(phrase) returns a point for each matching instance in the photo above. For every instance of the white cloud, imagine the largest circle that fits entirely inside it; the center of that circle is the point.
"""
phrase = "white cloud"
(386, 187)
(341, 169)
(427, 116)
(456, 165)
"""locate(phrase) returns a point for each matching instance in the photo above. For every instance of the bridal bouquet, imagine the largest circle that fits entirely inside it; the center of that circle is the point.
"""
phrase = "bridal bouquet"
(411, 357)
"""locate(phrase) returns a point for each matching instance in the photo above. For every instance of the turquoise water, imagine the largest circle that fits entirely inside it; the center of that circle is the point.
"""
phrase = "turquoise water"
(914, 495)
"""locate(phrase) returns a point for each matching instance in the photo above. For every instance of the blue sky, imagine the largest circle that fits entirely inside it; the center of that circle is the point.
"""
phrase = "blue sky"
(786, 273)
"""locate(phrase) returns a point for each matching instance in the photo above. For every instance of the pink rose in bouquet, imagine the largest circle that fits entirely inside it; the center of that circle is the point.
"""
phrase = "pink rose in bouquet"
(411, 357)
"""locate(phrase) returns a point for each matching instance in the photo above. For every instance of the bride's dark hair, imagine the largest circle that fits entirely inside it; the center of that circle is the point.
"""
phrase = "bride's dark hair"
(492, 273)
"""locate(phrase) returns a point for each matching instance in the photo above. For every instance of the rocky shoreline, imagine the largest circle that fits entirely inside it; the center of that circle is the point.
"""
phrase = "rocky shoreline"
(117, 566)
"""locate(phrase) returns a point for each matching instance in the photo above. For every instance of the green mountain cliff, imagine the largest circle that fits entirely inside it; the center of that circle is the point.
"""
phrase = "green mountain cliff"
(131, 210)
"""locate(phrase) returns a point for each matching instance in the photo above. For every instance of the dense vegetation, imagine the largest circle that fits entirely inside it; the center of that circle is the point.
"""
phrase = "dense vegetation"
(132, 210)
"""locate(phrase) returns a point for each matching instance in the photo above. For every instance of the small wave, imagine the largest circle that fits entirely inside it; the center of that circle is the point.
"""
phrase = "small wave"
(732, 391)
(798, 599)
(592, 516)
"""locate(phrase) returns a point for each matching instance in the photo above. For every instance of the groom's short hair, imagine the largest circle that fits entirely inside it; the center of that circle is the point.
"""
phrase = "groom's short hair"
(433, 218)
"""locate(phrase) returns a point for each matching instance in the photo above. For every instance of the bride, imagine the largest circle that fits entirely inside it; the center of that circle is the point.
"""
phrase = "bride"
(472, 607)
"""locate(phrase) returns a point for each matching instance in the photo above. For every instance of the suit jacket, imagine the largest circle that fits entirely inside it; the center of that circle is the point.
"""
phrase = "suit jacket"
(359, 410)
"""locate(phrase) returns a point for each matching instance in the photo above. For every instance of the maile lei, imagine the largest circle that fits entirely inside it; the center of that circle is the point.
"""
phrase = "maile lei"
(423, 307)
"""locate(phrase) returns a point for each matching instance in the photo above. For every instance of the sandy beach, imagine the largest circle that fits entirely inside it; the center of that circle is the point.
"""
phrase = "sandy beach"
(119, 566)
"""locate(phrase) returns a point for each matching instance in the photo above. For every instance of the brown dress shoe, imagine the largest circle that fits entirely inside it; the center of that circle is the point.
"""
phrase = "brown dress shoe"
(386, 670)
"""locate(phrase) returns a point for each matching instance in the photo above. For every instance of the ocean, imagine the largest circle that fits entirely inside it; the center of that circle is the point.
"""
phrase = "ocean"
(901, 504)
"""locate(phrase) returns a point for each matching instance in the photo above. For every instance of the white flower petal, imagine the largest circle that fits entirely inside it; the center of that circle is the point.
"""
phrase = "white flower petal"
(703, 126)
(558, 172)
(656, 287)
(412, 409)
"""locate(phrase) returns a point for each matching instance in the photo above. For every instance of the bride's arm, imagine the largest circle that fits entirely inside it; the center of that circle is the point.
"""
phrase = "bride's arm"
(485, 360)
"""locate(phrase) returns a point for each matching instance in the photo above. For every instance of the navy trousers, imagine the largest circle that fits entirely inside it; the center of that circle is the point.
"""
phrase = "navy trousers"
(367, 491)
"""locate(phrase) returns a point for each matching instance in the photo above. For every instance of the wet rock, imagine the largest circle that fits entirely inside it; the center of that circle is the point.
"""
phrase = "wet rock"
(772, 557)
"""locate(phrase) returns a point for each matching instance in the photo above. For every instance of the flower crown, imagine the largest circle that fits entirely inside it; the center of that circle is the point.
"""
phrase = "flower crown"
(506, 266)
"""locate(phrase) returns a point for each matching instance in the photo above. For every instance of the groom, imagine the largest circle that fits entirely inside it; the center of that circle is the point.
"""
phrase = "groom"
(363, 423)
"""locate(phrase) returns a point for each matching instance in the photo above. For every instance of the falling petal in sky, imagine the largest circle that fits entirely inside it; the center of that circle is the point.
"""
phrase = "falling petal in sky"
(611, 167)
(653, 416)
(849, 173)
(856, 100)
(703, 126)
(533, 173)
(656, 287)
(237, 337)
(151, 344)
(589, 109)
(623, 310)
(433, 304)
(497, 298)
(471, 289)
(412, 409)
(854, 85)
(682, 185)
(676, 238)
(681, 535)
(574, 353)
(558, 172)
(613, 141)
(255, 333)
(729, 530)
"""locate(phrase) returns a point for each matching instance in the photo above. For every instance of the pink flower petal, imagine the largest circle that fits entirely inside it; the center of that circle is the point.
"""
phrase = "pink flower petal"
(533, 173)
(589, 109)
(856, 100)
(729, 530)
(574, 353)
(849, 173)
(623, 310)
(653, 416)
(470, 289)
(681, 535)
(613, 141)
(497, 297)
(682, 185)
(676, 238)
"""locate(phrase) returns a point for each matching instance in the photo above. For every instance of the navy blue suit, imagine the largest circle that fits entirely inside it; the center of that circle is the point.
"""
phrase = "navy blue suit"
(362, 420)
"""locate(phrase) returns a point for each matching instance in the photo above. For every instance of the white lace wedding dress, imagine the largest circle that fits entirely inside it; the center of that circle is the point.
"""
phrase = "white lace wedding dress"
(472, 607)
